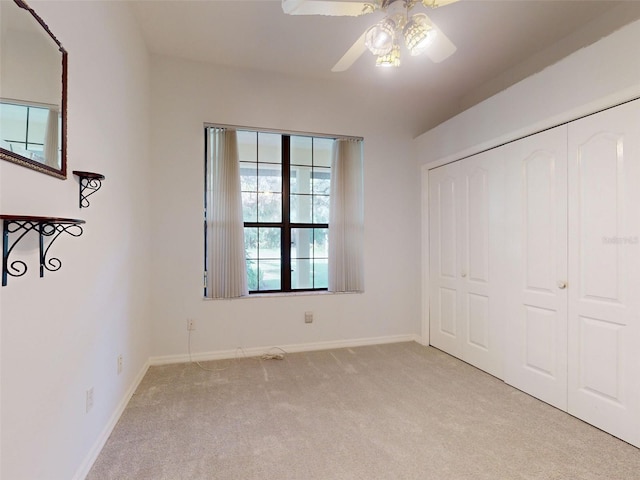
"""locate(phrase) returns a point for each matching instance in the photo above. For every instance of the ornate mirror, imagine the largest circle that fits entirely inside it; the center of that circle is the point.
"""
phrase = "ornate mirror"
(33, 91)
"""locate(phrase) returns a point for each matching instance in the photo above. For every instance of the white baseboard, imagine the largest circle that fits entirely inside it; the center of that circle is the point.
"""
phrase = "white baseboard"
(91, 457)
(422, 340)
(300, 347)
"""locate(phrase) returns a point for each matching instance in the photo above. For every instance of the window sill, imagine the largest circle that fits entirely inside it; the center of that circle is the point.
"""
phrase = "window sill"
(284, 294)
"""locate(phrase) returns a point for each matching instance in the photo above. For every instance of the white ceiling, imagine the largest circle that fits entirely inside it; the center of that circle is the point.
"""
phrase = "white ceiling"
(499, 43)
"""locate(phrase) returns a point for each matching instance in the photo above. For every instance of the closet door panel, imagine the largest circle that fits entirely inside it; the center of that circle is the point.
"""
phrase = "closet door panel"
(600, 169)
(536, 261)
(604, 262)
(446, 191)
(447, 317)
(477, 223)
(478, 322)
(444, 321)
(475, 258)
(481, 250)
(541, 340)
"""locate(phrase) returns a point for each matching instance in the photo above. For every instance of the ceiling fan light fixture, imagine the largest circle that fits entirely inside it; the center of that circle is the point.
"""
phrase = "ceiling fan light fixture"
(418, 34)
(391, 59)
(380, 38)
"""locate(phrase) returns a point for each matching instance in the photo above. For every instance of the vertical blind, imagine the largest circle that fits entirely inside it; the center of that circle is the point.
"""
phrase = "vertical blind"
(227, 271)
(346, 217)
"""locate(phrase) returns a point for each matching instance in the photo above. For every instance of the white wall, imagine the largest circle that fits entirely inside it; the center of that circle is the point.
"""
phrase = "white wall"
(185, 95)
(596, 77)
(61, 334)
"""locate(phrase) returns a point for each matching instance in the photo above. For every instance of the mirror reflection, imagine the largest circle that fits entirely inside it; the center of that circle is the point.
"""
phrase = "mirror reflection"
(31, 91)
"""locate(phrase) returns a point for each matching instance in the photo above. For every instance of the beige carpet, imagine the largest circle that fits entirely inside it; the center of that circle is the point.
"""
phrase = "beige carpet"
(399, 411)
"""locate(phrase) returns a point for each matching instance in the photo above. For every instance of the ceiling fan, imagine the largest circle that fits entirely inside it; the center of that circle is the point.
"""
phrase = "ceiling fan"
(383, 39)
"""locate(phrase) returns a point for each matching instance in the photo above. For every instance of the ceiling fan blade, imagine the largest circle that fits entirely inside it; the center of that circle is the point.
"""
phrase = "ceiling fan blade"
(441, 48)
(437, 3)
(335, 8)
(353, 54)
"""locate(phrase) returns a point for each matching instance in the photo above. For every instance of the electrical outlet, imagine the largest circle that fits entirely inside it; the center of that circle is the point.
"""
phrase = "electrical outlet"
(191, 324)
(308, 317)
(120, 364)
(89, 399)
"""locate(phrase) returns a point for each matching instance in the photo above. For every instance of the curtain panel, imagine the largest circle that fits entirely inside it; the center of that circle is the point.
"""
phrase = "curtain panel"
(346, 217)
(226, 271)
(51, 146)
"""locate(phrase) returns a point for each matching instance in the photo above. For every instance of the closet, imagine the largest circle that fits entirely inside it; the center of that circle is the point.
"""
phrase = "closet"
(559, 308)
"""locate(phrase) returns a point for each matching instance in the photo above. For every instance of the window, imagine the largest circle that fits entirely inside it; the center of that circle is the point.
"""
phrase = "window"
(283, 212)
(23, 127)
(32, 131)
(285, 187)
(285, 182)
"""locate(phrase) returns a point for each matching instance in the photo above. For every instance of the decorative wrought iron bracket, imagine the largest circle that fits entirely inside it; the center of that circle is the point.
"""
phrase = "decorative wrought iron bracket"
(46, 227)
(90, 182)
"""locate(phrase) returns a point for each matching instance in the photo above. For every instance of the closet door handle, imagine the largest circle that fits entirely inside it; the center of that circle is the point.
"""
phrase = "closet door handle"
(562, 285)
(463, 274)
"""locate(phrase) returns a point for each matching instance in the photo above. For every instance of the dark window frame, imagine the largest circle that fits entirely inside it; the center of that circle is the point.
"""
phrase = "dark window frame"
(286, 226)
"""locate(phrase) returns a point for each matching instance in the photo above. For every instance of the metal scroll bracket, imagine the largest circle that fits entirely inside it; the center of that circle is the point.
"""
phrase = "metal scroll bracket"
(45, 227)
(90, 183)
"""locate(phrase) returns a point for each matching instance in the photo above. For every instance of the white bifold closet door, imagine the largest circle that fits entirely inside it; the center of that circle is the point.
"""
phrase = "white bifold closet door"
(536, 266)
(604, 271)
(465, 243)
(572, 268)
